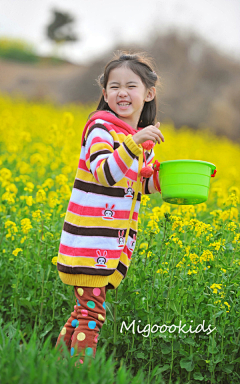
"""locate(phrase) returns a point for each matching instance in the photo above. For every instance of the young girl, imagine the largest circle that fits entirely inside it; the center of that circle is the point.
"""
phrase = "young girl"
(100, 226)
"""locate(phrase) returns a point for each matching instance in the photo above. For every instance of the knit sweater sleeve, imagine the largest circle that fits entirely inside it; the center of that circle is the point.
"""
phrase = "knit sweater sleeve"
(108, 165)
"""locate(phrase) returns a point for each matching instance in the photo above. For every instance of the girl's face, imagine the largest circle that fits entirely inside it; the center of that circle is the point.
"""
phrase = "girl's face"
(126, 94)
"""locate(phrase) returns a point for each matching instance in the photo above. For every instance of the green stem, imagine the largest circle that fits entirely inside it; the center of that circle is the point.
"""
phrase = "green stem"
(115, 322)
(171, 366)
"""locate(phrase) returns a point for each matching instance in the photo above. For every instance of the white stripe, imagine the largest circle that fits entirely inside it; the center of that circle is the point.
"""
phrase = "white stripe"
(96, 200)
(83, 154)
(151, 186)
(93, 164)
(116, 172)
(98, 132)
(100, 121)
(89, 242)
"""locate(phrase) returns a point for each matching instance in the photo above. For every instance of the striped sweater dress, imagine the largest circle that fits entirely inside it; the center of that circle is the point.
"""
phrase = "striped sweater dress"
(100, 226)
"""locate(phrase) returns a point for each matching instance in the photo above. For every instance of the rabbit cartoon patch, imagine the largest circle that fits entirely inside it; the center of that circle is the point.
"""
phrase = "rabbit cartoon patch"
(132, 243)
(121, 240)
(129, 191)
(101, 260)
(108, 213)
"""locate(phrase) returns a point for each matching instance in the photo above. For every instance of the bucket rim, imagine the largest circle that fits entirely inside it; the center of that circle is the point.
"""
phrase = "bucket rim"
(213, 167)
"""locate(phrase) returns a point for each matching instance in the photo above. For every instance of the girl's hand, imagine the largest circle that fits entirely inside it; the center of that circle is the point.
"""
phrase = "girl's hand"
(151, 132)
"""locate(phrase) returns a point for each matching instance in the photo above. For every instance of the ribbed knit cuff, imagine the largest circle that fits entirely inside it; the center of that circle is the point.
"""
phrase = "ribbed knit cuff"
(134, 148)
(115, 279)
(84, 280)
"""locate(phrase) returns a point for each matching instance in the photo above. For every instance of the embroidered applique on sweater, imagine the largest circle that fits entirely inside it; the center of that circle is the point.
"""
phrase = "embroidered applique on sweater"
(100, 226)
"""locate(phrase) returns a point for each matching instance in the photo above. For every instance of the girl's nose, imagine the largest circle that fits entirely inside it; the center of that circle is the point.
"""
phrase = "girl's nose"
(122, 92)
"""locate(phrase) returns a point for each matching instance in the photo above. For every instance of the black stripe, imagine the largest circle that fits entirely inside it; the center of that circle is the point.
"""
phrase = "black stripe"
(98, 189)
(122, 268)
(84, 270)
(130, 152)
(91, 231)
(108, 174)
(96, 154)
(132, 232)
(116, 145)
(84, 142)
(109, 286)
(101, 190)
(148, 154)
(147, 192)
(97, 126)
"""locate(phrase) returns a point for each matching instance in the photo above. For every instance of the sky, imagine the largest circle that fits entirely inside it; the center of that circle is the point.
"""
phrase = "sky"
(100, 24)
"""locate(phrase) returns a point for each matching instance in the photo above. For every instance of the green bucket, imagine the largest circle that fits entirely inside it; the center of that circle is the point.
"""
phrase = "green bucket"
(185, 181)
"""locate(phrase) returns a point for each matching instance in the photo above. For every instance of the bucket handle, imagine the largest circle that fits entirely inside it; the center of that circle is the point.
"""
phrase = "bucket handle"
(214, 173)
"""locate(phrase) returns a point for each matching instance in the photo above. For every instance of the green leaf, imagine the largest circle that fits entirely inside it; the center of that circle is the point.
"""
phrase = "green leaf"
(228, 368)
(187, 363)
(198, 376)
(166, 348)
(189, 341)
(25, 303)
(218, 314)
(141, 355)
(163, 369)
(218, 358)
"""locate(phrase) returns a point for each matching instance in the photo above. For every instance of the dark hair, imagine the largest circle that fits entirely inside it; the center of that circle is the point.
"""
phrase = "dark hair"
(140, 64)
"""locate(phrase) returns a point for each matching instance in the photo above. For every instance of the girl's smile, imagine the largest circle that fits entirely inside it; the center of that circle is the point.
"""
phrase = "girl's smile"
(126, 94)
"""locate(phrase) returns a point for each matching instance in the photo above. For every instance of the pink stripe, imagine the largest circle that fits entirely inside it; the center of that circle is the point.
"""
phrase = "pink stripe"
(86, 252)
(132, 175)
(98, 164)
(119, 162)
(127, 252)
(135, 216)
(96, 140)
(82, 165)
(95, 211)
(118, 129)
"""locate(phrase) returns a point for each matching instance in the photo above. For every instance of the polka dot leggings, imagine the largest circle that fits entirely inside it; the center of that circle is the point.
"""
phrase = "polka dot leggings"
(81, 331)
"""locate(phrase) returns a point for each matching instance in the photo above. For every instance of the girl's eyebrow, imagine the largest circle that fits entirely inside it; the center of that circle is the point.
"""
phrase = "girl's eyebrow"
(115, 82)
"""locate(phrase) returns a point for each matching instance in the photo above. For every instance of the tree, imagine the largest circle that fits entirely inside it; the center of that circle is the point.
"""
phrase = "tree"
(59, 29)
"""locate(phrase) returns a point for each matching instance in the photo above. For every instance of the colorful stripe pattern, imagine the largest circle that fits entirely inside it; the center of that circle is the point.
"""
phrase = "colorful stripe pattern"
(100, 227)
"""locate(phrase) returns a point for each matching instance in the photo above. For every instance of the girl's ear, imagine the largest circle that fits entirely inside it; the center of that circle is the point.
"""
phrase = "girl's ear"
(151, 93)
(104, 94)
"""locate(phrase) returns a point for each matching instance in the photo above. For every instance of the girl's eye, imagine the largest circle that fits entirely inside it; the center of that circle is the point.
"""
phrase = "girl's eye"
(132, 86)
(113, 87)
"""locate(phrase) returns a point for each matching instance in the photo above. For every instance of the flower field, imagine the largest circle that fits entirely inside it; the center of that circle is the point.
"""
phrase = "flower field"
(176, 315)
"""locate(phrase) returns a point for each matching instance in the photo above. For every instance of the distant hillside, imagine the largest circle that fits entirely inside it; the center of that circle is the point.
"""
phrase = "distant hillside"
(200, 86)
(40, 81)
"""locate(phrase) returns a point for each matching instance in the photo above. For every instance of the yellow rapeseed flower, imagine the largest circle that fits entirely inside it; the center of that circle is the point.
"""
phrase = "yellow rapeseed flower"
(236, 238)
(26, 225)
(215, 287)
(37, 215)
(29, 187)
(9, 197)
(29, 200)
(61, 179)
(40, 196)
(54, 260)
(16, 251)
(49, 183)
(144, 200)
(143, 246)
(5, 174)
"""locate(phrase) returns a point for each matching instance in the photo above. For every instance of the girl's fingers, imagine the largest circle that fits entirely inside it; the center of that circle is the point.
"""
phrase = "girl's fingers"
(161, 135)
